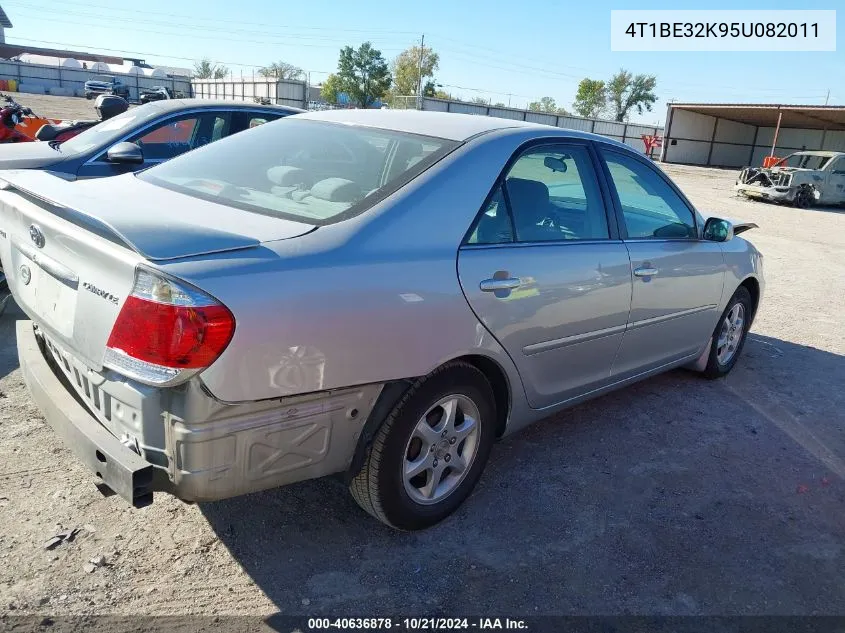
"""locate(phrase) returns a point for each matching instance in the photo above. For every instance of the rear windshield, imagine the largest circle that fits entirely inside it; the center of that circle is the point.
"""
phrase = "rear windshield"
(307, 171)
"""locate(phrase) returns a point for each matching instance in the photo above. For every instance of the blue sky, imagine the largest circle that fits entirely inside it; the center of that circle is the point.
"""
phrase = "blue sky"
(510, 52)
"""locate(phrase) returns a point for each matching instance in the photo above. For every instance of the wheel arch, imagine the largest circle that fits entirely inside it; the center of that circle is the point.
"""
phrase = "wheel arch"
(751, 284)
(394, 390)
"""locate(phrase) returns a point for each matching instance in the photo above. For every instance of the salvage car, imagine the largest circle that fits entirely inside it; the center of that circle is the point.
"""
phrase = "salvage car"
(802, 179)
(159, 93)
(375, 293)
(140, 137)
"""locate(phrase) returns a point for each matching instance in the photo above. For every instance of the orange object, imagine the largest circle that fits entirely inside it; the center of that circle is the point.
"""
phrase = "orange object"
(770, 161)
(29, 125)
(179, 132)
(4, 84)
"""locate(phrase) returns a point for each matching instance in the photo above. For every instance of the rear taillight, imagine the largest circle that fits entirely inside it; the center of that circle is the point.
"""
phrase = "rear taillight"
(167, 331)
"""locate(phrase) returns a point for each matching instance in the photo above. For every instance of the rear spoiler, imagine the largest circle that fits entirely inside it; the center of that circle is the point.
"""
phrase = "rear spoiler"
(79, 218)
(742, 227)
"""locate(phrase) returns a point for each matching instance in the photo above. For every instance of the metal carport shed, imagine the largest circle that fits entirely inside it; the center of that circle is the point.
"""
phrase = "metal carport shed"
(734, 135)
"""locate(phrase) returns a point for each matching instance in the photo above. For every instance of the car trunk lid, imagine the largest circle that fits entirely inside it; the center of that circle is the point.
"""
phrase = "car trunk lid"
(157, 223)
(70, 250)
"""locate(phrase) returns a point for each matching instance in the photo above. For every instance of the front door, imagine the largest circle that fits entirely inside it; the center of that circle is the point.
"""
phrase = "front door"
(834, 191)
(677, 277)
(160, 142)
(544, 271)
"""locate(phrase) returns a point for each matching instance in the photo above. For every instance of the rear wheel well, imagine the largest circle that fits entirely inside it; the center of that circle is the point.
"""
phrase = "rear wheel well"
(753, 287)
(499, 382)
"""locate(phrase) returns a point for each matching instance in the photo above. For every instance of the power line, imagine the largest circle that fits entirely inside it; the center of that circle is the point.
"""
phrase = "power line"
(172, 24)
(193, 18)
(217, 38)
(146, 54)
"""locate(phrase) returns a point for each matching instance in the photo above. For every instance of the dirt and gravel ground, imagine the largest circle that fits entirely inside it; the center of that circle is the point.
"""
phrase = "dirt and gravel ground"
(675, 496)
(57, 107)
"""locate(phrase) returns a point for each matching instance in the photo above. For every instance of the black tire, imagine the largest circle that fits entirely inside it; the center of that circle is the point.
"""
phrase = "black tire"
(715, 368)
(4, 290)
(804, 197)
(379, 487)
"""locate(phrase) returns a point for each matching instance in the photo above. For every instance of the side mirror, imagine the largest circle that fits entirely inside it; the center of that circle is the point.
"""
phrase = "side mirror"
(127, 153)
(718, 230)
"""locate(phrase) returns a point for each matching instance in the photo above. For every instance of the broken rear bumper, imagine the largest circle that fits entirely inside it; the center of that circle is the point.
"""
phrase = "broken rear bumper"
(121, 469)
(775, 194)
(188, 444)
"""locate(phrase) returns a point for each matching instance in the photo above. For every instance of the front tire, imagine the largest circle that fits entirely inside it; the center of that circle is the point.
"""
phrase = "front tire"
(730, 334)
(429, 453)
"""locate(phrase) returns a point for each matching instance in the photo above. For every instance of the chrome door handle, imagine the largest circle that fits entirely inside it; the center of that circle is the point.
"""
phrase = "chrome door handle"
(645, 272)
(492, 285)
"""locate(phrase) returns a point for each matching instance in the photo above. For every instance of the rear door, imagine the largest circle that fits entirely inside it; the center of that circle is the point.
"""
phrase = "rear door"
(677, 277)
(544, 270)
(246, 119)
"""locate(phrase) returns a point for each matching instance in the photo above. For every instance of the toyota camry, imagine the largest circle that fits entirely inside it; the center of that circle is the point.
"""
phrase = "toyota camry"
(379, 294)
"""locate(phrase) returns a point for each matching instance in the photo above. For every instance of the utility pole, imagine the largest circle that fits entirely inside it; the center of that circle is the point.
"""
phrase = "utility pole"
(827, 97)
(419, 73)
(509, 100)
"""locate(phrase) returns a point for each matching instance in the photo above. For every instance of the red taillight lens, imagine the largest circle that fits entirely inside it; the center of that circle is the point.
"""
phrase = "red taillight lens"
(166, 330)
(172, 336)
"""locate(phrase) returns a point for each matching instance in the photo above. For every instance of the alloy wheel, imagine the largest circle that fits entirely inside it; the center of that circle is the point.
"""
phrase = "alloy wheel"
(730, 334)
(441, 449)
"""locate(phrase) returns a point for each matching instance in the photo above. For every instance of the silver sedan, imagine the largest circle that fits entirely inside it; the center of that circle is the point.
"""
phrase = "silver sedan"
(380, 294)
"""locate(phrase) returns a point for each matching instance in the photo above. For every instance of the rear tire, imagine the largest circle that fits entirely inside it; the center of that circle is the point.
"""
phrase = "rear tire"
(4, 290)
(730, 334)
(420, 466)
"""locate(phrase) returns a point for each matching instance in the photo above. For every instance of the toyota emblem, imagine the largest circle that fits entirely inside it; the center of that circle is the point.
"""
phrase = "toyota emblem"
(36, 235)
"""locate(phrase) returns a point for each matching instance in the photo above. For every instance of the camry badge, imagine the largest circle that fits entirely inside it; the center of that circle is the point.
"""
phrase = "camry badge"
(36, 235)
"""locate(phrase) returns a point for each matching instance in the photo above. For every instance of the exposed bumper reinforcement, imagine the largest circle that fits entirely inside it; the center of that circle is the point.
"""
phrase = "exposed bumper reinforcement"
(122, 470)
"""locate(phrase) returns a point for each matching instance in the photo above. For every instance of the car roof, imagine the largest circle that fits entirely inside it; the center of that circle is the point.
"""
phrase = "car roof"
(173, 105)
(452, 126)
(447, 125)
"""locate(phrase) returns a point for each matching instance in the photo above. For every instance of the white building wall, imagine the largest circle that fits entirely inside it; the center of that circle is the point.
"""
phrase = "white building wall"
(690, 140)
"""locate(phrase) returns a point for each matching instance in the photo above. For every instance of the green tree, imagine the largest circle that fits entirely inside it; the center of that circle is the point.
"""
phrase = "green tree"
(281, 70)
(441, 94)
(545, 104)
(480, 101)
(411, 68)
(363, 74)
(206, 69)
(591, 99)
(626, 91)
(499, 104)
(330, 89)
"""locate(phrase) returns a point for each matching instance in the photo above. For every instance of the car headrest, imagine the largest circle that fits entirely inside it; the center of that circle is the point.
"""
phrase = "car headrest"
(336, 190)
(287, 176)
(529, 192)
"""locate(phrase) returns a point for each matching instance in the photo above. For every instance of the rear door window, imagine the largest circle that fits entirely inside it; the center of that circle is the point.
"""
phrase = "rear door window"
(550, 194)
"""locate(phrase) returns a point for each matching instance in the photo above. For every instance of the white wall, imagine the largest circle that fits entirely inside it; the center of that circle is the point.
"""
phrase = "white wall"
(734, 142)
(74, 79)
(279, 91)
